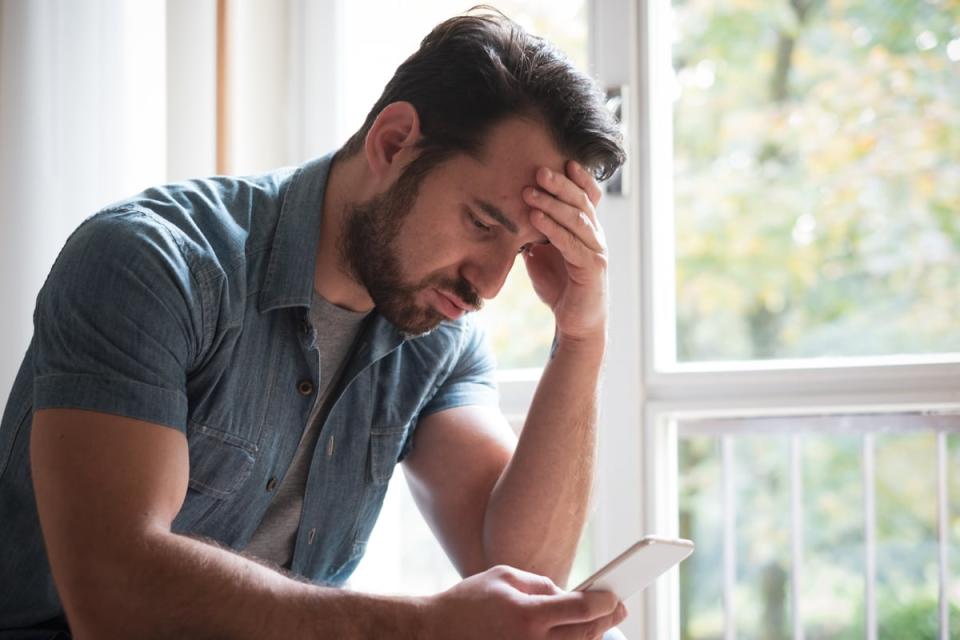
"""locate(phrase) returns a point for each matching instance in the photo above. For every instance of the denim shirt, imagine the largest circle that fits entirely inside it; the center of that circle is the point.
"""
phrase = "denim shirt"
(186, 306)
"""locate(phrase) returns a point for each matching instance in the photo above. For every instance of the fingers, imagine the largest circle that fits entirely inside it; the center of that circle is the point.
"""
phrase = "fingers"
(577, 187)
(570, 246)
(592, 629)
(567, 200)
(578, 607)
(585, 180)
(529, 583)
(577, 222)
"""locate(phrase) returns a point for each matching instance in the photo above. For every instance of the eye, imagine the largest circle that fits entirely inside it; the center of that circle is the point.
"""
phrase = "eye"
(478, 223)
(527, 246)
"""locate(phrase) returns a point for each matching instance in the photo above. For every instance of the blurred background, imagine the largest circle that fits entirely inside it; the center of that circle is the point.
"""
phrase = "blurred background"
(785, 264)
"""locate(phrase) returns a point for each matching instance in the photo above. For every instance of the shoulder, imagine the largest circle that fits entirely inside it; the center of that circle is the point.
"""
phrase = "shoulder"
(456, 346)
(218, 220)
(451, 337)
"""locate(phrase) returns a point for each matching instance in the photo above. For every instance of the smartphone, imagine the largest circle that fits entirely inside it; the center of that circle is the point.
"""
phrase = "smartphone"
(634, 569)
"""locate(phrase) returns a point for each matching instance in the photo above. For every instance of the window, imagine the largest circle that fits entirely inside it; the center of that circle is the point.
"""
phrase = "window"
(815, 525)
(799, 178)
(816, 178)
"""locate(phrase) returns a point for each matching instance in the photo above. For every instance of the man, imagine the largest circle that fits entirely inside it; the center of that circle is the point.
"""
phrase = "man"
(225, 372)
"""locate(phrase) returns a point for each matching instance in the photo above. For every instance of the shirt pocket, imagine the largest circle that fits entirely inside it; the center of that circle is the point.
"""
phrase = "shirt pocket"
(384, 449)
(220, 462)
(386, 444)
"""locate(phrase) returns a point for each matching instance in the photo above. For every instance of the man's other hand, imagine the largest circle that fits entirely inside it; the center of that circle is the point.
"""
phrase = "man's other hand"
(569, 274)
(504, 602)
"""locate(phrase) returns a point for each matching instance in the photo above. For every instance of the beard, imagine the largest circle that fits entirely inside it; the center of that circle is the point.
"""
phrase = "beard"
(368, 250)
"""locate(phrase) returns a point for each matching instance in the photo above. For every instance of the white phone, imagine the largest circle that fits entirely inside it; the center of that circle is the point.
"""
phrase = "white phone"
(634, 569)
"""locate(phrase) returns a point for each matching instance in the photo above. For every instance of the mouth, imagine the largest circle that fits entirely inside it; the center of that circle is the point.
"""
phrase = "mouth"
(450, 305)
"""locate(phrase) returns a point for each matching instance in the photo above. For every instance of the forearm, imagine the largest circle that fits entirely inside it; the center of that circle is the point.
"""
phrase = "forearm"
(539, 505)
(182, 587)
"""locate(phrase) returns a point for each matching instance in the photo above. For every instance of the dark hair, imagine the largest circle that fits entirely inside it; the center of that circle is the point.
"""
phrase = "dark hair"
(473, 71)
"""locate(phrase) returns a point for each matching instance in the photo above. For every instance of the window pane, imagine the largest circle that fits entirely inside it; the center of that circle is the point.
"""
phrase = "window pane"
(831, 577)
(906, 536)
(816, 178)
(832, 587)
(762, 593)
(701, 519)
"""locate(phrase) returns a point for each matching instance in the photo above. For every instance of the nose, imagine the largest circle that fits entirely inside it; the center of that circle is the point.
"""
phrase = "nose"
(487, 273)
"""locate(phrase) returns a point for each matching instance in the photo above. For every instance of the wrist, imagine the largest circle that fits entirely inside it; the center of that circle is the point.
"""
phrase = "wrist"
(591, 345)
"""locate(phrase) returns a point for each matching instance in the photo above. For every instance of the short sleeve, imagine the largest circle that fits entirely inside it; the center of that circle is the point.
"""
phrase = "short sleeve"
(472, 380)
(118, 322)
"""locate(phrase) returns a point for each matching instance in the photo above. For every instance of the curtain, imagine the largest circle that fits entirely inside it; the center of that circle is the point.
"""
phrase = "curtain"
(82, 123)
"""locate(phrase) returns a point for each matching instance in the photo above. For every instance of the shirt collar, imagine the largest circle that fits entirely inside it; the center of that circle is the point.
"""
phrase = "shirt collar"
(293, 255)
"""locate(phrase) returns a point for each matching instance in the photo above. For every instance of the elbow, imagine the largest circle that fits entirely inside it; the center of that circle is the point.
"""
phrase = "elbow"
(90, 609)
(105, 593)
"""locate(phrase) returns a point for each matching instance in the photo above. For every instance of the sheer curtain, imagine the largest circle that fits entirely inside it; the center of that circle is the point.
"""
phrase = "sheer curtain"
(82, 123)
(102, 98)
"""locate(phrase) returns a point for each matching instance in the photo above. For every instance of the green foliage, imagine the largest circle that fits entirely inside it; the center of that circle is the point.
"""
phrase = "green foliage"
(816, 178)
(832, 571)
(917, 619)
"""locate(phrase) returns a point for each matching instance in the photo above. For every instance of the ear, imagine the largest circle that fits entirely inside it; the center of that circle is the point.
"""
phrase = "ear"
(392, 138)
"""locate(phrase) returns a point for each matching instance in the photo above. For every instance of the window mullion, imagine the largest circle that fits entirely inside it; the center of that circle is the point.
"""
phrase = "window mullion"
(943, 519)
(796, 534)
(869, 535)
(729, 537)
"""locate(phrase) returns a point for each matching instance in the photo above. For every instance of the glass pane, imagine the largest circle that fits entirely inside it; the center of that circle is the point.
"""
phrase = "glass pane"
(816, 178)
(762, 593)
(832, 576)
(832, 586)
(907, 584)
(520, 326)
(701, 519)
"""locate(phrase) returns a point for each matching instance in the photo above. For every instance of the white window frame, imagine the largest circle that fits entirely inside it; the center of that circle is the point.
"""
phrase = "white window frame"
(648, 393)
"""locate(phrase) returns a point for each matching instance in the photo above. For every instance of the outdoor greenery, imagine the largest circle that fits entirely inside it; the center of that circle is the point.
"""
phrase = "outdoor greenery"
(817, 182)
(817, 212)
(832, 581)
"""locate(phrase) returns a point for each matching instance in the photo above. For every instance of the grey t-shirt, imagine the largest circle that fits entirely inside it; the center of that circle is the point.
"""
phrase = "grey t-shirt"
(336, 330)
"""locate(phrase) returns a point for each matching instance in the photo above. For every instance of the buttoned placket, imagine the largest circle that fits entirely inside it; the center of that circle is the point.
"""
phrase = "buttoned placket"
(376, 342)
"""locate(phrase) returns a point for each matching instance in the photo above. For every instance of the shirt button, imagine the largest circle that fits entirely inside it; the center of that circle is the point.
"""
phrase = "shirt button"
(311, 536)
(305, 387)
(271, 484)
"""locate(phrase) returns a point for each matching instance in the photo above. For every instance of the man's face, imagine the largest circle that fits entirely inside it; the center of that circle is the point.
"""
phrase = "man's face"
(434, 251)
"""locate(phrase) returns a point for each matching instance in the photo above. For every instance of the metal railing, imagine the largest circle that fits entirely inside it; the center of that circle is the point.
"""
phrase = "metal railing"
(868, 427)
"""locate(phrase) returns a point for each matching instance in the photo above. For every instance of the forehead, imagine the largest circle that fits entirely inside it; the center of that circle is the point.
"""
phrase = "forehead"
(513, 152)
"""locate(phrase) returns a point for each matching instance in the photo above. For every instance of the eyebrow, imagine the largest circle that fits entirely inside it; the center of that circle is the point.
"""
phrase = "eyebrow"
(495, 213)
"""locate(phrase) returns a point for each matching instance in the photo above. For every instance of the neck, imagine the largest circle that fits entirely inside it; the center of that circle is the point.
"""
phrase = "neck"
(332, 278)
